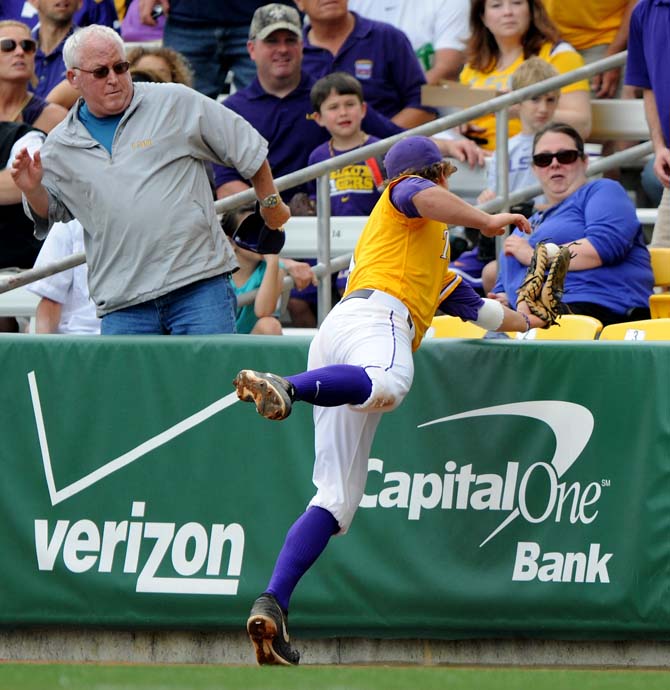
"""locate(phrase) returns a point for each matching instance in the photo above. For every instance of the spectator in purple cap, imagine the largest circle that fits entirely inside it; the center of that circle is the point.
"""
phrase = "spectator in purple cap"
(360, 361)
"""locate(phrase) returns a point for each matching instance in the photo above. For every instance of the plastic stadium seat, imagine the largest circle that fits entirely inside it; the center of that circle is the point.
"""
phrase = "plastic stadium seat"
(659, 303)
(453, 327)
(569, 327)
(647, 329)
(660, 265)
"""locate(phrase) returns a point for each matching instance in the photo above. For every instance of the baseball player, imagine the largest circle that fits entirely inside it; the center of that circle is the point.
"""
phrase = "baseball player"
(360, 361)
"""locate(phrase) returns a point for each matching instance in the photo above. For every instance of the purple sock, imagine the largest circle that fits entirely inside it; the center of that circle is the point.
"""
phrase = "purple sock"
(304, 543)
(337, 384)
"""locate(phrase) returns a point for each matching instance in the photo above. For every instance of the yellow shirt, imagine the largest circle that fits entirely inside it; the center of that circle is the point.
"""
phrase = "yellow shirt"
(562, 56)
(404, 257)
(587, 23)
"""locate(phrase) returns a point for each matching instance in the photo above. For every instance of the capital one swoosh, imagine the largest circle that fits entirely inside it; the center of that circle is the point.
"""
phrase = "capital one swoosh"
(572, 425)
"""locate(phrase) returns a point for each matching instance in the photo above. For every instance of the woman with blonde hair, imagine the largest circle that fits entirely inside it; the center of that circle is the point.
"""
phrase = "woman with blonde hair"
(17, 71)
(505, 33)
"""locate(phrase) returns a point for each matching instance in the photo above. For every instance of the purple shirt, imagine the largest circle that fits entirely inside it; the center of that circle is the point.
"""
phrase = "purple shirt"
(49, 69)
(381, 58)
(649, 55)
(285, 124)
(91, 12)
(353, 189)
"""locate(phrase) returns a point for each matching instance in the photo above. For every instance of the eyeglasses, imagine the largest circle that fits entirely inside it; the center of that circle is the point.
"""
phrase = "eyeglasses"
(102, 72)
(8, 45)
(564, 157)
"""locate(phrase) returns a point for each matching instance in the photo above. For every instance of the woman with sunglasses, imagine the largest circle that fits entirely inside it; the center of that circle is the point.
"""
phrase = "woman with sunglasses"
(504, 33)
(17, 71)
(610, 275)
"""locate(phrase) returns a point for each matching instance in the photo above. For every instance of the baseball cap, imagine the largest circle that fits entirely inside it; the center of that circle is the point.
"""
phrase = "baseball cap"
(412, 153)
(273, 17)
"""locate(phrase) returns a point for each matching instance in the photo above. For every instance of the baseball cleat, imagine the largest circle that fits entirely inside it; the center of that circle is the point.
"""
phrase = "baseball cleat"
(271, 394)
(267, 628)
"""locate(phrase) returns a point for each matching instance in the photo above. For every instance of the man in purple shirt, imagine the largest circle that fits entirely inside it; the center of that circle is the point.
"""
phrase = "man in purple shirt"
(277, 102)
(377, 54)
(647, 68)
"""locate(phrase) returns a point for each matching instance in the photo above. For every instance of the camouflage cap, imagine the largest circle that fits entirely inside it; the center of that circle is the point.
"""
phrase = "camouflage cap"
(273, 17)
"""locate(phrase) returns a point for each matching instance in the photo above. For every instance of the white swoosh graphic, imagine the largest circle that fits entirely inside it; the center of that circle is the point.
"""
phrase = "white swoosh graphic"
(58, 495)
(572, 425)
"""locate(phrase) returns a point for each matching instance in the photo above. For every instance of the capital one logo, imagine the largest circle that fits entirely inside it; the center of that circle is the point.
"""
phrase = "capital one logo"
(461, 488)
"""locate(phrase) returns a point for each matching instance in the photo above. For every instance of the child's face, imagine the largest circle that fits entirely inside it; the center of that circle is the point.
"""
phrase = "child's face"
(537, 112)
(341, 114)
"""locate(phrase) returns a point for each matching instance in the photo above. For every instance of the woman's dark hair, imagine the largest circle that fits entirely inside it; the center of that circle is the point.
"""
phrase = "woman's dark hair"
(561, 128)
(482, 50)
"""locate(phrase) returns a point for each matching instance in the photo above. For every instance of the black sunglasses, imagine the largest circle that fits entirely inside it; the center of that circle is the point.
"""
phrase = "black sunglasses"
(8, 45)
(102, 72)
(564, 157)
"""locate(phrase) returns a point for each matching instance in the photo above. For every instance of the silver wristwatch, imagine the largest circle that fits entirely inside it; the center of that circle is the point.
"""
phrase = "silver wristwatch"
(270, 201)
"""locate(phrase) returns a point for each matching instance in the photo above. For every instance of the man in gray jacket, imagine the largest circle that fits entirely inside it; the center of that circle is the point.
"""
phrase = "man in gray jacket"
(129, 163)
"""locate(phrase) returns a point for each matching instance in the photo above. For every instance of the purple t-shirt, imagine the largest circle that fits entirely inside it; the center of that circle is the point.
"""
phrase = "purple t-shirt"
(649, 55)
(91, 12)
(353, 189)
(49, 69)
(285, 123)
(380, 57)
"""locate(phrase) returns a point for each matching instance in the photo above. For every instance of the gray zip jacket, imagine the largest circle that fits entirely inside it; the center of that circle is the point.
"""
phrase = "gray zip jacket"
(149, 221)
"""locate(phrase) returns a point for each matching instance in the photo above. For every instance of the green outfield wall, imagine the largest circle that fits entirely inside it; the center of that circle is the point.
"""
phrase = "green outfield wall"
(523, 488)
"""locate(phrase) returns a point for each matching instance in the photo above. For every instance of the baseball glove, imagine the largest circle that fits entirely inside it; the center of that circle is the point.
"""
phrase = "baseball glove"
(543, 294)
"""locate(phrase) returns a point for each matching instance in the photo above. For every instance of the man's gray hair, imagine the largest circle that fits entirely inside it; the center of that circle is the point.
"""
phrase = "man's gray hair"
(73, 45)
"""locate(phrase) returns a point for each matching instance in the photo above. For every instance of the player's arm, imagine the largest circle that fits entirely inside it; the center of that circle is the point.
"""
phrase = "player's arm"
(440, 204)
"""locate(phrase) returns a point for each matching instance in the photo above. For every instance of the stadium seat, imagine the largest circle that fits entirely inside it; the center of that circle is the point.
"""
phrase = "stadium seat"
(453, 327)
(569, 327)
(647, 329)
(659, 302)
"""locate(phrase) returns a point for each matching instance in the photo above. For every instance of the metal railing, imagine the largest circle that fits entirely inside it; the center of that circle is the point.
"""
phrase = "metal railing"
(325, 266)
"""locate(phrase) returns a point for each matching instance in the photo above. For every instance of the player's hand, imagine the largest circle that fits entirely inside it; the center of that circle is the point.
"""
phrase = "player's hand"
(26, 171)
(498, 222)
(276, 216)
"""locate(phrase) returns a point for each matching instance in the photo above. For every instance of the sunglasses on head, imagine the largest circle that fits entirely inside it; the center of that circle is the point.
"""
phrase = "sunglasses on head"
(8, 45)
(564, 157)
(102, 72)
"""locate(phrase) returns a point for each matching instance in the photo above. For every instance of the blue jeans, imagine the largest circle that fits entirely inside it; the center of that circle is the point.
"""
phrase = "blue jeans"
(212, 52)
(202, 308)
